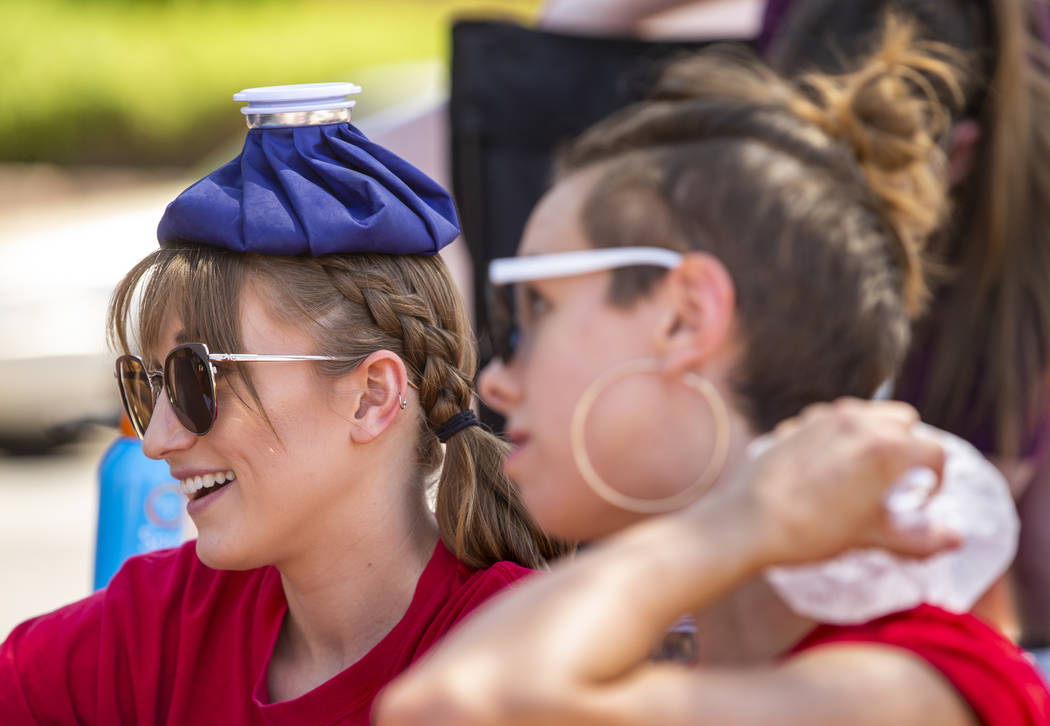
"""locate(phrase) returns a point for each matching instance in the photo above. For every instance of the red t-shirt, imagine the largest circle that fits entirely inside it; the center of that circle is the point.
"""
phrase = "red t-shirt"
(992, 675)
(171, 641)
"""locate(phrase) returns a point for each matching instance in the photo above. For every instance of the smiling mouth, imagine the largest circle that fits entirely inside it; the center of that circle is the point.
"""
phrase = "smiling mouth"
(196, 487)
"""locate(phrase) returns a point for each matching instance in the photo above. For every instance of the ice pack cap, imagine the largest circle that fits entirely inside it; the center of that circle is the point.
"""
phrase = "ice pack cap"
(302, 104)
(307, 182)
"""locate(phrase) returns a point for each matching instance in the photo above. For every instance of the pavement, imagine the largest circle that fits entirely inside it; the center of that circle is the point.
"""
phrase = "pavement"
(48, 508)
(65, 239)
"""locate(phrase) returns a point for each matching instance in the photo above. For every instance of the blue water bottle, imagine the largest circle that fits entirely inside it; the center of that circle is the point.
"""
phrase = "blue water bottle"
(140, 507)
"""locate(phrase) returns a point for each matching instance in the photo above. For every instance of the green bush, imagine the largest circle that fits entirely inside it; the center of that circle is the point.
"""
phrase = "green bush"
(149, 82)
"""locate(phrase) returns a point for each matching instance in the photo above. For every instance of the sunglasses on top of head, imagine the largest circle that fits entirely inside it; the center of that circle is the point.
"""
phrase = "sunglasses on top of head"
(188, 379)
(504, 297)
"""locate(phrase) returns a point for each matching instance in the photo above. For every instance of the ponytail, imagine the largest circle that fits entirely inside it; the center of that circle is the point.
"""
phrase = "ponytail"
(413, 309)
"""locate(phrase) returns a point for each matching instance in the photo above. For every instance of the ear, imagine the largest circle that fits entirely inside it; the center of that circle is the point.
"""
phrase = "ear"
(704, 307)
(962, 150)
(378, 386)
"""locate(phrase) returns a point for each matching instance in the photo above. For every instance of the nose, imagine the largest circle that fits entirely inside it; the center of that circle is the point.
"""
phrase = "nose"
(498, 387)
(165, 435)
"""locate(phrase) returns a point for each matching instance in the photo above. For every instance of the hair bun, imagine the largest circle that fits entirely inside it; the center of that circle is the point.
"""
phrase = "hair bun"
(891, 112)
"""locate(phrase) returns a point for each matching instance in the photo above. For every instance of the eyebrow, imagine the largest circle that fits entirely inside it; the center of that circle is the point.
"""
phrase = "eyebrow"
(180, 337)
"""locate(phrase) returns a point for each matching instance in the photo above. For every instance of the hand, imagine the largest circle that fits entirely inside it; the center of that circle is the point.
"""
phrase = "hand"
(820, 489)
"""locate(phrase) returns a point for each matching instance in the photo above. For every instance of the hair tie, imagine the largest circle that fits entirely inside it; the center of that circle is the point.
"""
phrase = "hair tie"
(463, 419)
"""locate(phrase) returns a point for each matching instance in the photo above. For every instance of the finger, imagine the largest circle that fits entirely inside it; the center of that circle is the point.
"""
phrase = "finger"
(928, 453)
(901, 409)
(786, 427)
(897, 412)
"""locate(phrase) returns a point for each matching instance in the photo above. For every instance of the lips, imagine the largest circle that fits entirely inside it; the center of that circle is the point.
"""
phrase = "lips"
(517, 439)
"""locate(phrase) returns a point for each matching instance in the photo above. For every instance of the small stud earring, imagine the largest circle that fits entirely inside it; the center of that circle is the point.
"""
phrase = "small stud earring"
(402, 402)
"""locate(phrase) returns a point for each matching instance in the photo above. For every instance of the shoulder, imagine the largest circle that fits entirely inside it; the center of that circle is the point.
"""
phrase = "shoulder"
(475, 586)
(990, 673)
(139, 586)
(156, 613)
(496, 577)
(461, 589)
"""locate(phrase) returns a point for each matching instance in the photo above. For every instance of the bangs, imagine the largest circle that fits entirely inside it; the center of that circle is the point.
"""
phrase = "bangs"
(198, 286)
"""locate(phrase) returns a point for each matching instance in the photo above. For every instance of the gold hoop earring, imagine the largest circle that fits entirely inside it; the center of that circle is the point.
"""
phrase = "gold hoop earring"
(635, 504)
(401, 401)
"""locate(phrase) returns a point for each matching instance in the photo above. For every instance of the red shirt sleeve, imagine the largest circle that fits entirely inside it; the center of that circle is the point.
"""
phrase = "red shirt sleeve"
(992, 675)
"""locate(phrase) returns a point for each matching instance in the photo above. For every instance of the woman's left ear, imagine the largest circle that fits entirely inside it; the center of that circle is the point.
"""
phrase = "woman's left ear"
(378, 390)
(704, 302)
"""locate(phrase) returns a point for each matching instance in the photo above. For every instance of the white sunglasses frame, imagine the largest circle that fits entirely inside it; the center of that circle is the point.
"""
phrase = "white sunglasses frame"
(506, 270)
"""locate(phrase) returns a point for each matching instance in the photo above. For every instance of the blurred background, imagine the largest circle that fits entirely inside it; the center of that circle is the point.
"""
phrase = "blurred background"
(109, 108)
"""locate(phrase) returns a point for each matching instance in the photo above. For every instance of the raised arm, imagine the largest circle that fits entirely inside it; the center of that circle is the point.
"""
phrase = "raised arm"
(573, 646)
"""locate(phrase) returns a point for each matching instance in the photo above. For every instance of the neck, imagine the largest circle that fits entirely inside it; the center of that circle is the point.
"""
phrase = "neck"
(346, 589)
(750, 624)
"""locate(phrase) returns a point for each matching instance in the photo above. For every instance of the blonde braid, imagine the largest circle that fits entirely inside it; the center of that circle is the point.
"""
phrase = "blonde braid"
(412, 303)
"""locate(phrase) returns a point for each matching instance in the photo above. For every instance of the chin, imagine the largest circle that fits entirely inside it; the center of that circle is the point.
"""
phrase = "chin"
(565, 522)
(219, 557)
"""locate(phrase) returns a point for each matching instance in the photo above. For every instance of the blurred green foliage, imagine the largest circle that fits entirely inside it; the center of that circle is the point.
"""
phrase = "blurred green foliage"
(150, 81)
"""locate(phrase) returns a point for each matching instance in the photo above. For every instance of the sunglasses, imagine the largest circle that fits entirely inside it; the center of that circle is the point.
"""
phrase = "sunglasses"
(188, 379)
(505, 296)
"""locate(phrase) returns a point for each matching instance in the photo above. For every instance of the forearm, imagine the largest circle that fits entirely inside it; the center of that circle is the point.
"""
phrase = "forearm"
(589, 621)
(560, 648)
(635, 585)
(651, 575)
(827, 688)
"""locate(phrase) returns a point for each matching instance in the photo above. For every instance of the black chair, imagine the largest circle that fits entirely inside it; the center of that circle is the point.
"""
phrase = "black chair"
(517, 95)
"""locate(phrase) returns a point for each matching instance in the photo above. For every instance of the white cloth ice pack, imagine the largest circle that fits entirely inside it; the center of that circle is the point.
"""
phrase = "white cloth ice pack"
(973, 500)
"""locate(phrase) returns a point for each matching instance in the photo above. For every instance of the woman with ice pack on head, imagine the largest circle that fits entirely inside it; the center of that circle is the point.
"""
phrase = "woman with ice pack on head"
(296, 352)
(708, 264)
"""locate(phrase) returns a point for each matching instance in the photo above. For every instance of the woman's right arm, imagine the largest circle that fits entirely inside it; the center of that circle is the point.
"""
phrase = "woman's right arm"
(553, 644)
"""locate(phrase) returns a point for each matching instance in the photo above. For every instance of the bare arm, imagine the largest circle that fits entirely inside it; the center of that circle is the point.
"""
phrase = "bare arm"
(829, 686)
(574, 644)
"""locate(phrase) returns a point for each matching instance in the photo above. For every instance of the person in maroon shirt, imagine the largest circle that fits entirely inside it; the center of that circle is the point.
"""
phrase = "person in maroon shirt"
(304, 366)
(708, 264)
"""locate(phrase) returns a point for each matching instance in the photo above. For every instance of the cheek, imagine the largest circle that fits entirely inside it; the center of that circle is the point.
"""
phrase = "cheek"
(554, 492)
(644, 436)
(650, 438)
(281, 444)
